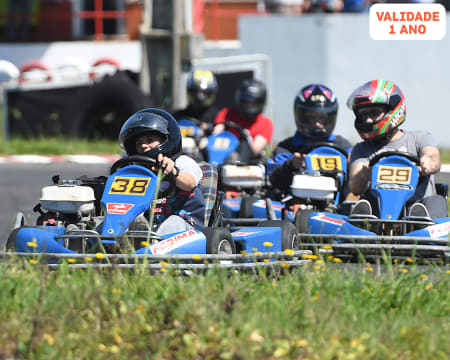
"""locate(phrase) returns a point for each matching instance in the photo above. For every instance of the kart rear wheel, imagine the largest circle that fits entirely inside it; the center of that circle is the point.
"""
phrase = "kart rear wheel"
(219, 241)
(289, 238)
(301, 221)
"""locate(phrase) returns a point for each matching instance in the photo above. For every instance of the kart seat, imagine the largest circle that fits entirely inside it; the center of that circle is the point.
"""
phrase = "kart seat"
(442, 189)
(208, 185)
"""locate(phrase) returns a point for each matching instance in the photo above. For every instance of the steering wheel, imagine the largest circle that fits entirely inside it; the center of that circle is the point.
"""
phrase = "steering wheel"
(142, 160)
(148, 163)
(325, 143)
(232, 125)
(377, 157)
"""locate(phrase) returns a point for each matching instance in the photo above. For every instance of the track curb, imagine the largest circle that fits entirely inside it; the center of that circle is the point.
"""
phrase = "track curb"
(49, 159)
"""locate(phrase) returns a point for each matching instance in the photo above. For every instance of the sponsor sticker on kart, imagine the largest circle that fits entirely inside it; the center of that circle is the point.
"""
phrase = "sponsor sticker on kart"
(243, 233)
(174, 242)
(328, 219)
(129, 185)
(262, 204)
(116, 208)
(439, 229)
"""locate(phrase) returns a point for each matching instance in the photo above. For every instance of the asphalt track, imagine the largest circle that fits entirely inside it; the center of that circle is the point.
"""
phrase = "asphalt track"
(20, 185)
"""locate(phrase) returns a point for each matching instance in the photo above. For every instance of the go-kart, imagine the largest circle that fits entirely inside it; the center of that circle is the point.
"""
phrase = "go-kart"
(96, 215)
(394, 180)
(319, 186)
(242, 178)
(193, 137)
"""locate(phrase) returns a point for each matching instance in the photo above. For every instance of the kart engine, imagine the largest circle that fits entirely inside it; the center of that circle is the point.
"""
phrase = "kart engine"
(314, 186)
(242, 176)
(70, 202)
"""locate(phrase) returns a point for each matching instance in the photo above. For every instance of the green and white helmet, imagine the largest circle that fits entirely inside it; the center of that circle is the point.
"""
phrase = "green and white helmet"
(378, 92)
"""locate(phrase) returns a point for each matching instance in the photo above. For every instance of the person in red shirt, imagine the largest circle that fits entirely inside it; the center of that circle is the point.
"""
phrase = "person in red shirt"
(250, 101)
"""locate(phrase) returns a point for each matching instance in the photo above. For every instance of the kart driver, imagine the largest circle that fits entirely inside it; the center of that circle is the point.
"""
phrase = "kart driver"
(155, 133)
(315, 111)
(380, 108)
(250, 100)
(201, 89)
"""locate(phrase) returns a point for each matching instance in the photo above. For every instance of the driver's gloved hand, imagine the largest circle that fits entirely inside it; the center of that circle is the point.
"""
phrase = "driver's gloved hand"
(248, 137)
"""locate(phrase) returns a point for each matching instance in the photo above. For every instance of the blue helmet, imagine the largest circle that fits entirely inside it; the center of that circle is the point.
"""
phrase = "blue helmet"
(147, 121)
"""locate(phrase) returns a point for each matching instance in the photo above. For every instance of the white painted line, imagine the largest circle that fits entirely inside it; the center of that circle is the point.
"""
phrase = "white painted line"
(31, 159)
(91, 159)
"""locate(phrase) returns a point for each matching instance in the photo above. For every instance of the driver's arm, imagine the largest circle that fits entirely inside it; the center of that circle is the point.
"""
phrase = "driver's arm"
(359, 177)
(258, 144)
(430, 160)
(218, 128)
(185, 181)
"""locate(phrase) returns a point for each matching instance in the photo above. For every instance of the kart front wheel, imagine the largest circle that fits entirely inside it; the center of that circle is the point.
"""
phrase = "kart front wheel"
(289, 238)
(219, 241)
(302, 220)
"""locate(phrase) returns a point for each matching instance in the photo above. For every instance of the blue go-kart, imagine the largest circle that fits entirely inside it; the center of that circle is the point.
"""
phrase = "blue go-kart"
(193, 137)
(91, 215)
(242, 177)
(320, 186)
(394, 181)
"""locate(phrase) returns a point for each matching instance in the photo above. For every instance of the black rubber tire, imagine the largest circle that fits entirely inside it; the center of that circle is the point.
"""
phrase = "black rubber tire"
(217, 239)
(289, 238)
(106, 105)
(301, 221)
(246, 209)
(10, 243)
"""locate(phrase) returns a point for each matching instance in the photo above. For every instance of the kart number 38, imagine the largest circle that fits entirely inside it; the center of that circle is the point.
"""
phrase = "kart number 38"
(326, 163)
(394, 175)
(129, 186)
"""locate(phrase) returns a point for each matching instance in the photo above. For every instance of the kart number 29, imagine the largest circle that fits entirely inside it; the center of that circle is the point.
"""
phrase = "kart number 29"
(391, 174)
(326, 163)
(129, 185)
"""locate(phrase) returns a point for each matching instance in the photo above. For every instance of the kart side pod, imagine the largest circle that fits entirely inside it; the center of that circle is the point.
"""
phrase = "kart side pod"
(314, 187)
(68, 199)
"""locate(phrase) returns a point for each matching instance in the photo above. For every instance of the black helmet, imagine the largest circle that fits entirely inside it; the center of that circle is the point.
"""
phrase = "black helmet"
(201, 88)
(151, 120)
(251, 98)
(315, 103)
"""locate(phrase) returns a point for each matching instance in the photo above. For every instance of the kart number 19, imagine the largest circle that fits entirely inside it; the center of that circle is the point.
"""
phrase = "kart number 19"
(129, 186)
(391, 174)
(326, 163)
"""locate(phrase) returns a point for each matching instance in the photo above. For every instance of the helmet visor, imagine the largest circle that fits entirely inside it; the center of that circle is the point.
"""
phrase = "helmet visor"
(315, 124)
(251, 108)
(201, 96)
(369, 116)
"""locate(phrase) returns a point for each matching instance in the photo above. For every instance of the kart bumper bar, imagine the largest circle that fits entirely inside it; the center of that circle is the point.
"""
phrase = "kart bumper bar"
(182, 262)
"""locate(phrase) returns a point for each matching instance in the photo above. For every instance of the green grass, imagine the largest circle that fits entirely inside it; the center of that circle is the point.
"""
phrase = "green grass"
(64, 146)
(58, 146)
(319, 313)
